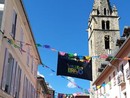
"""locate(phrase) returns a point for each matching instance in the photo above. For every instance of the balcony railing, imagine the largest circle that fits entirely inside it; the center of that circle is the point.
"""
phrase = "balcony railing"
(128, 73)
(121, 80)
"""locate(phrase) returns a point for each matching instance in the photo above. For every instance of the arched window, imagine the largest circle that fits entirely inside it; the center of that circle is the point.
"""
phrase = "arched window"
(107, 25)
(107, 42)
(98, 12)
(103, 24)
(104, 11)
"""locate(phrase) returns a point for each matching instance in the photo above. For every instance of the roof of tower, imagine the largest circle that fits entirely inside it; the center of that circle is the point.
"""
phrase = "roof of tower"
(100, 3)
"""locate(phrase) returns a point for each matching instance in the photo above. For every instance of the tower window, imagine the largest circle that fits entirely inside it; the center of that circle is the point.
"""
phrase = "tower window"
(103, 24)
(98, 12)
(107, 42)
(104, 11)
(107, 25)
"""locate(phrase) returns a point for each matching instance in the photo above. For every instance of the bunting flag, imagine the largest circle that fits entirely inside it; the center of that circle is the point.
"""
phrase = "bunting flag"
(69, 65)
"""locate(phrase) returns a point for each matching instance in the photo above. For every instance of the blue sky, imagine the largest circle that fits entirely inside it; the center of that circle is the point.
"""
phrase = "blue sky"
(62, 24)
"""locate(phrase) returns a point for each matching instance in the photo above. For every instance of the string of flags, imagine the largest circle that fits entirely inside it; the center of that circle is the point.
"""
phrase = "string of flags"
(79, 58)
(11, 42)
(102, 56)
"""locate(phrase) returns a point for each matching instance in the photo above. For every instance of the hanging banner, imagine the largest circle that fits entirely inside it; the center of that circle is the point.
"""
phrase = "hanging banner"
(74, 67)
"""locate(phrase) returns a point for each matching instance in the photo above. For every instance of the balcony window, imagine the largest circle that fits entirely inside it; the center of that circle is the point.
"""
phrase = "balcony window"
(120, 78)
(128, 73)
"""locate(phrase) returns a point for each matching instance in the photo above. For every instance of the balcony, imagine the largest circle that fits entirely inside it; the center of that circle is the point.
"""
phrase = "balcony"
(121, 80)
(128, 73)
(120, 41)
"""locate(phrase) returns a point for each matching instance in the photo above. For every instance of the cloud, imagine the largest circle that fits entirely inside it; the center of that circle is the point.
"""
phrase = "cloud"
(50, 86)
(71, 84)
(51, 74)
(40, 74)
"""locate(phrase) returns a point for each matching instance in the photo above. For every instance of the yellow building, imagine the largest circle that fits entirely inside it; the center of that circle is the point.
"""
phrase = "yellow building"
(19, 57)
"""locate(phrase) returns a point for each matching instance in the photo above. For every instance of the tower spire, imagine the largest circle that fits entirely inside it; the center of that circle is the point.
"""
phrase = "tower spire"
(102, 6)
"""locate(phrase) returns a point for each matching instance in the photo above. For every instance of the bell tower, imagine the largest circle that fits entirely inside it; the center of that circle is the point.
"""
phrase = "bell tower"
(103, 31)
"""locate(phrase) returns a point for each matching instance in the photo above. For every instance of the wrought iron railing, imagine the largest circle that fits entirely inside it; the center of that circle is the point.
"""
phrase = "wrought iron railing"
(121, 79)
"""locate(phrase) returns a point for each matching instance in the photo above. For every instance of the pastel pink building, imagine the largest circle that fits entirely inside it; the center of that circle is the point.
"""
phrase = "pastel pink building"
(19, 57)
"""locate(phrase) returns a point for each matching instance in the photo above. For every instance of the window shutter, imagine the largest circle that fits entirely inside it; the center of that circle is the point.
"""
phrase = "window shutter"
(15, 81)
(14, 20)
(5, 66)
(13, 78)
(9, 73)
(18, 83)
(32, 65)
(24, 85)
(21, 39)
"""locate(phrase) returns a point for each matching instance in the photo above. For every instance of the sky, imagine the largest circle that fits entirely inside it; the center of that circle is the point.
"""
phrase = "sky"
(62, 24)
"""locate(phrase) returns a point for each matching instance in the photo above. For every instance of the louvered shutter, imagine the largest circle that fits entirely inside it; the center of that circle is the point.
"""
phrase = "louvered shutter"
(5, 67)
(13, 78)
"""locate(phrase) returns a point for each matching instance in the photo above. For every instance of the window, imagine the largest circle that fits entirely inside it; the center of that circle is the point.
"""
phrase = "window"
(114, 78)
(32, 64)
(104, 11)
(7, 72)
(121, 68)
(28, 56)
(104, 87)
(107, 42)
(100, 92)
(17, 82)
(125, 95)
(98, 12)
(11, 75)
(21, 39)
(14, 21)
(109, 82)
(103, 24)
(107, 25)
(35, 72)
